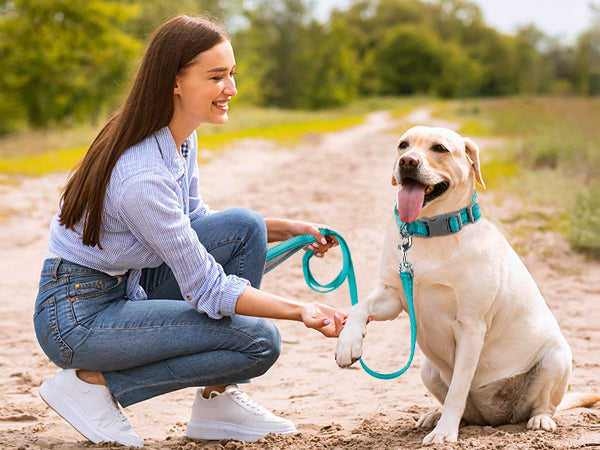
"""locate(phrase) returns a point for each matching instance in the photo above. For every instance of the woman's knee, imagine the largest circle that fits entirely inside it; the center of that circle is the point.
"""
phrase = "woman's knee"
(254, 223)
(269, 344)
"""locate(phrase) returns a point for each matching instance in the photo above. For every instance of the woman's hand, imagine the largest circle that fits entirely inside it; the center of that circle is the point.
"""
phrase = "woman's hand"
(323, 318)
(283, 229)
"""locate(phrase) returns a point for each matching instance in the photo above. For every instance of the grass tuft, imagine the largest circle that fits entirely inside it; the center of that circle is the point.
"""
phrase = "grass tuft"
(584, 221)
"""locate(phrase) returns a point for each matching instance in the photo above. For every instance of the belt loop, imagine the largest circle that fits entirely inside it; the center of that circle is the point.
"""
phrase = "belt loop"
(57, 262)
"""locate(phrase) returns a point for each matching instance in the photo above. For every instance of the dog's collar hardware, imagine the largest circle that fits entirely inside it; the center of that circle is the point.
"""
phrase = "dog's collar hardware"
(444, 224)
(405, 266)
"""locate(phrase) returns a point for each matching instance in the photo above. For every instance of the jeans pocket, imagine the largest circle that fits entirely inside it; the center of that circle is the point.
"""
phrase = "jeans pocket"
(90, 294)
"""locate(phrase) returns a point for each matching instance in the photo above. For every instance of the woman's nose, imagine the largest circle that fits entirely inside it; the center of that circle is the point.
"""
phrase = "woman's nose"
(230, 87)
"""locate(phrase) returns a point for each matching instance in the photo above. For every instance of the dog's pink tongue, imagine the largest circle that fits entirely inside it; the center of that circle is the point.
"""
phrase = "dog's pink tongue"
(410, 200)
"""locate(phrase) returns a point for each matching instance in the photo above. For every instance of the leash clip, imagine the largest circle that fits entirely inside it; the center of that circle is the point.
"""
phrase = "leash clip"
(405, 266)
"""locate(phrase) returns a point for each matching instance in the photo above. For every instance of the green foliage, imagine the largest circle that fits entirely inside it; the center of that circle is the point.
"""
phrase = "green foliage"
(409, 60)
(63, 59)
(584, 221)
(587, 62)
(285, 127)
(62, 160)
(552, 155)
(67, 61)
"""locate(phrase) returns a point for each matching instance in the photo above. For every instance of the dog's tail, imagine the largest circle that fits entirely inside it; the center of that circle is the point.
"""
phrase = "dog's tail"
(574, 400)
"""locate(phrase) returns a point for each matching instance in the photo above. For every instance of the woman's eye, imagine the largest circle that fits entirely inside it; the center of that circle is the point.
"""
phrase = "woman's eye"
(222, 77)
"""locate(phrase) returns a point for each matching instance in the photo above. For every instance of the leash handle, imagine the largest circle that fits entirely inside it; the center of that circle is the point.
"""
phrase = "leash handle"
(280, 252)
(406, 276)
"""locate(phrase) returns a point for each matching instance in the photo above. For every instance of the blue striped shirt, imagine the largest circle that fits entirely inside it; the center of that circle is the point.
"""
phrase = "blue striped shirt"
(150, 200)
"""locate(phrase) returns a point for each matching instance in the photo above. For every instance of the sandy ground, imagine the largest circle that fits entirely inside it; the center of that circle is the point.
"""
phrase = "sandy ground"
(341, 179)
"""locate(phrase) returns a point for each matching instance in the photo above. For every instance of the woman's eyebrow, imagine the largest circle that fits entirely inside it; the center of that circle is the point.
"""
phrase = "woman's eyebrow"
(219, 69)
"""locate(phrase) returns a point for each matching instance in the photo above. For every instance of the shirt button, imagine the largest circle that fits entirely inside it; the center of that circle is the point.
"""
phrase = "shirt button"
(72, 299)
(184, 200)
(188, 297)
(77, 286)
(100, 282)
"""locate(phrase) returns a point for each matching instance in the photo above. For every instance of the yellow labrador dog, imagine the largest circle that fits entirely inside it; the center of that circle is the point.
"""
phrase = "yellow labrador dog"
(494, 353)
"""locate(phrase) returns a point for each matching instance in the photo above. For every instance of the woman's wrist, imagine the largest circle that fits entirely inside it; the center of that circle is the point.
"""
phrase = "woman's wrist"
(254, 302)
(278, 229)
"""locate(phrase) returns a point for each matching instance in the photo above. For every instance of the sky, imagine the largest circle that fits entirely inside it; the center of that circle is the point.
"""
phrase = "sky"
(564, 19)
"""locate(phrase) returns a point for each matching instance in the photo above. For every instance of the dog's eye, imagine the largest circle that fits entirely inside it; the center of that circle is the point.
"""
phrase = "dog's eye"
(439, 148)
(403, 145)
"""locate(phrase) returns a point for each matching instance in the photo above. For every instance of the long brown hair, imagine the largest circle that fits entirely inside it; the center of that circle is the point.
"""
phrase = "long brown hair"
(147, 109)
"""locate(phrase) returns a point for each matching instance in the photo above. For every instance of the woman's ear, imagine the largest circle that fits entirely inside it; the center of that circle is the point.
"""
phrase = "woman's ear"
(177, 88)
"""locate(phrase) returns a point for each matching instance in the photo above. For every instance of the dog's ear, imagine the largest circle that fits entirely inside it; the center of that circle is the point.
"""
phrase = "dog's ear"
(473, 154)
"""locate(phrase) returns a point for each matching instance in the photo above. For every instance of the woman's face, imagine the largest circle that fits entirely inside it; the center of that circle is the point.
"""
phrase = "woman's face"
(204, 88)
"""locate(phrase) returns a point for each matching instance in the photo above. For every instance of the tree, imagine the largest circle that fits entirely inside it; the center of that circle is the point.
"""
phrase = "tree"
(64, 59)
(271, 49)
(409, 60)
(587, 62)
(332, 75)
(154, 12)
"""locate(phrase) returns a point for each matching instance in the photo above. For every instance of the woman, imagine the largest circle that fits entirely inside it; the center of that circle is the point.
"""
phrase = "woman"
(144, 289)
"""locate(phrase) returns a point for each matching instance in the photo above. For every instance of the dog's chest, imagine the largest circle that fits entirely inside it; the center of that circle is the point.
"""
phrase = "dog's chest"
(435, 296)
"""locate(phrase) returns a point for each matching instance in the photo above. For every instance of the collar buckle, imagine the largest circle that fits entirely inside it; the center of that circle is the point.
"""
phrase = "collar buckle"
(443, 224)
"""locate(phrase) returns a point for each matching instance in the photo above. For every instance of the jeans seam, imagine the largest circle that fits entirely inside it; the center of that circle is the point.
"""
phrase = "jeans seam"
(56, 332)
(183, 381)
(241, 260)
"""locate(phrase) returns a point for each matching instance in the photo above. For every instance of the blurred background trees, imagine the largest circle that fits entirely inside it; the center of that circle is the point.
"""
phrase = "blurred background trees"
(65, 61)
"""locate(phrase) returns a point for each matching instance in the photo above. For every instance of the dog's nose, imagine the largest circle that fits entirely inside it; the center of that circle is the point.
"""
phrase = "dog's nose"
(409, 161)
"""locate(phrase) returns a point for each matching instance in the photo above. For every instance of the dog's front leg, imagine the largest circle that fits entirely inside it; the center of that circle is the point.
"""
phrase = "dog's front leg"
(382, 304)
(469, 343)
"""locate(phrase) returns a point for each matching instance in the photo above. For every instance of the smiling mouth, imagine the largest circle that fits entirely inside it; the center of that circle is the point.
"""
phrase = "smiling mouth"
(221, 105)
(414, 195)
(432, 191)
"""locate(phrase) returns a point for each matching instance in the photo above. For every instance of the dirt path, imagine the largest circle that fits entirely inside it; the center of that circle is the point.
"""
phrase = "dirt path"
(341, 179)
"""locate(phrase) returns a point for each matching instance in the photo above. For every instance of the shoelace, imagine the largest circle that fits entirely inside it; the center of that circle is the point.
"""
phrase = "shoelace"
(118, 417)
(247, 401)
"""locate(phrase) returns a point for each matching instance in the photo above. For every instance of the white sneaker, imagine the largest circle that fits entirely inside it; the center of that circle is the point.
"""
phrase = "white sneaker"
(233, 415)
(90, 408)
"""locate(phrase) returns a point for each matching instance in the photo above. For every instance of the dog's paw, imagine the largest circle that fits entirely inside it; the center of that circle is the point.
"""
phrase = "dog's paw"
(349, 347)
(541, 422)
(439, 436)
(429, 420)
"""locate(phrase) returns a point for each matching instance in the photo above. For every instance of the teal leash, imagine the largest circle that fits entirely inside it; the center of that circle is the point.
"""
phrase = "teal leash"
(427, 227)
(280, 252)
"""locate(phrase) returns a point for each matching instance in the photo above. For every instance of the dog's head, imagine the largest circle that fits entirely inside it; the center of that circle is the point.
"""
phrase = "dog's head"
(436, 170)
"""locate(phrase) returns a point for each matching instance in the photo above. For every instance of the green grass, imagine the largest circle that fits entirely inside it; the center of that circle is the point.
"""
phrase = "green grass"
(39, 152)
(551, 155)
(60, 160)
(282, 133)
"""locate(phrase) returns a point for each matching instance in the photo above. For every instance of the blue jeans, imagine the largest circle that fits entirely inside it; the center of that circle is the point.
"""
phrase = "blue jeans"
(83, 319)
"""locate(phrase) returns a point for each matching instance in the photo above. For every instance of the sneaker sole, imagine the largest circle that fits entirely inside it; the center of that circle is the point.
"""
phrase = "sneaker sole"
(214, 431)
(71, 412)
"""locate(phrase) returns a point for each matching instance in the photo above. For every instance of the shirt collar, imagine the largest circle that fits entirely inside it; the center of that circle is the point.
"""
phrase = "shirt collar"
(169, 152)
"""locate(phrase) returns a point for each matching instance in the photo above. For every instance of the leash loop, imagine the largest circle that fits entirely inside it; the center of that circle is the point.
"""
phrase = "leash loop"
(280, 252)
